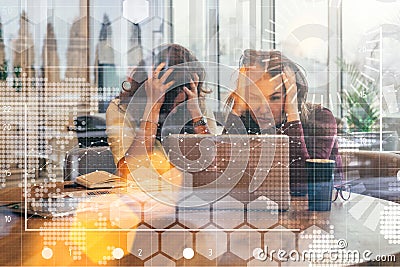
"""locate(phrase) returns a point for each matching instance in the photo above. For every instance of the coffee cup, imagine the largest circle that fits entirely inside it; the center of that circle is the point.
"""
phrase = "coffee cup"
(320, 173)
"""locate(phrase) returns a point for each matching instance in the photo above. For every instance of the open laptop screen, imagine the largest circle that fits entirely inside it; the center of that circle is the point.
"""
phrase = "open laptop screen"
(245, 167)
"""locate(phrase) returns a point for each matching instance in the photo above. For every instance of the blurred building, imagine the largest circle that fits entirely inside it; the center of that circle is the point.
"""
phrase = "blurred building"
(105, 75)
(135, 51)
(77, 72)
(51, 61)
(3, 62)
(77, 50)
(24, 52)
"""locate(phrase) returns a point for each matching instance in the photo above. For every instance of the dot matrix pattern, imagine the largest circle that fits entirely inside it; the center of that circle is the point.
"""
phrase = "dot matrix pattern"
(164, 251)
(167, 248)
(37, 114)
(170, 244)
(74, 241)
(165, 245)
(61, 143)
(389, 223)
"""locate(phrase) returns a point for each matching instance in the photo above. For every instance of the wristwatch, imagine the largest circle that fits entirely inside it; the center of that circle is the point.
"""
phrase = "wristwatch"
(201, 121)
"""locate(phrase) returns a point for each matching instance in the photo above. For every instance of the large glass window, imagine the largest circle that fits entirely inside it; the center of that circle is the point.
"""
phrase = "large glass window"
(189, 26)
(195, 27)
(108, 48)
(371, 41)
(301, 30)
(239, 29)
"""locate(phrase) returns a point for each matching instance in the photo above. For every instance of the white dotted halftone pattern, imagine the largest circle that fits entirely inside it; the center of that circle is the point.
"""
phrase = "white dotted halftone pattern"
(317, 240)
(13, 100)
(47, 109)
(389, 223)
(395, 185)
(52, 238)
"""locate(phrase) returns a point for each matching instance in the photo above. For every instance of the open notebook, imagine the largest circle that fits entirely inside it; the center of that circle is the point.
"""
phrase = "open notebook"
(100, 179)
(64, 204)
(65, 200)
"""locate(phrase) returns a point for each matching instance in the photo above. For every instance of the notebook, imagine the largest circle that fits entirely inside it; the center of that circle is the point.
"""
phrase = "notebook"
(245, 167)
(60, 204)
(100, 179)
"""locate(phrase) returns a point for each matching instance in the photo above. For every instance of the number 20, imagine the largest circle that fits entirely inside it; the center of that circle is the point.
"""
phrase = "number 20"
(6, 127)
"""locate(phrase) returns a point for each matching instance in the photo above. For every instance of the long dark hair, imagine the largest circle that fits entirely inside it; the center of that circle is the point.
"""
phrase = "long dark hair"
(185, 65)
(274, 63)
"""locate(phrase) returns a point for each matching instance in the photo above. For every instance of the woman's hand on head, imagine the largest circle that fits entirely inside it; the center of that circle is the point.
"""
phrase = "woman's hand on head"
(291, 106)
(238, 109)
(156, 87)
(192, 102)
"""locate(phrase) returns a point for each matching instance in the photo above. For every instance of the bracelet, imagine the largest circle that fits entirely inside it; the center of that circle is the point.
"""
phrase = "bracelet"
(149, 121)
(297, 113)
(201, 122)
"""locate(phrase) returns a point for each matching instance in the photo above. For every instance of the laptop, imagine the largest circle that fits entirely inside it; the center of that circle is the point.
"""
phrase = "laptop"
(245, 167)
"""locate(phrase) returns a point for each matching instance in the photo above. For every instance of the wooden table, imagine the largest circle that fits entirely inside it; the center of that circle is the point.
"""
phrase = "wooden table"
(227, 234)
